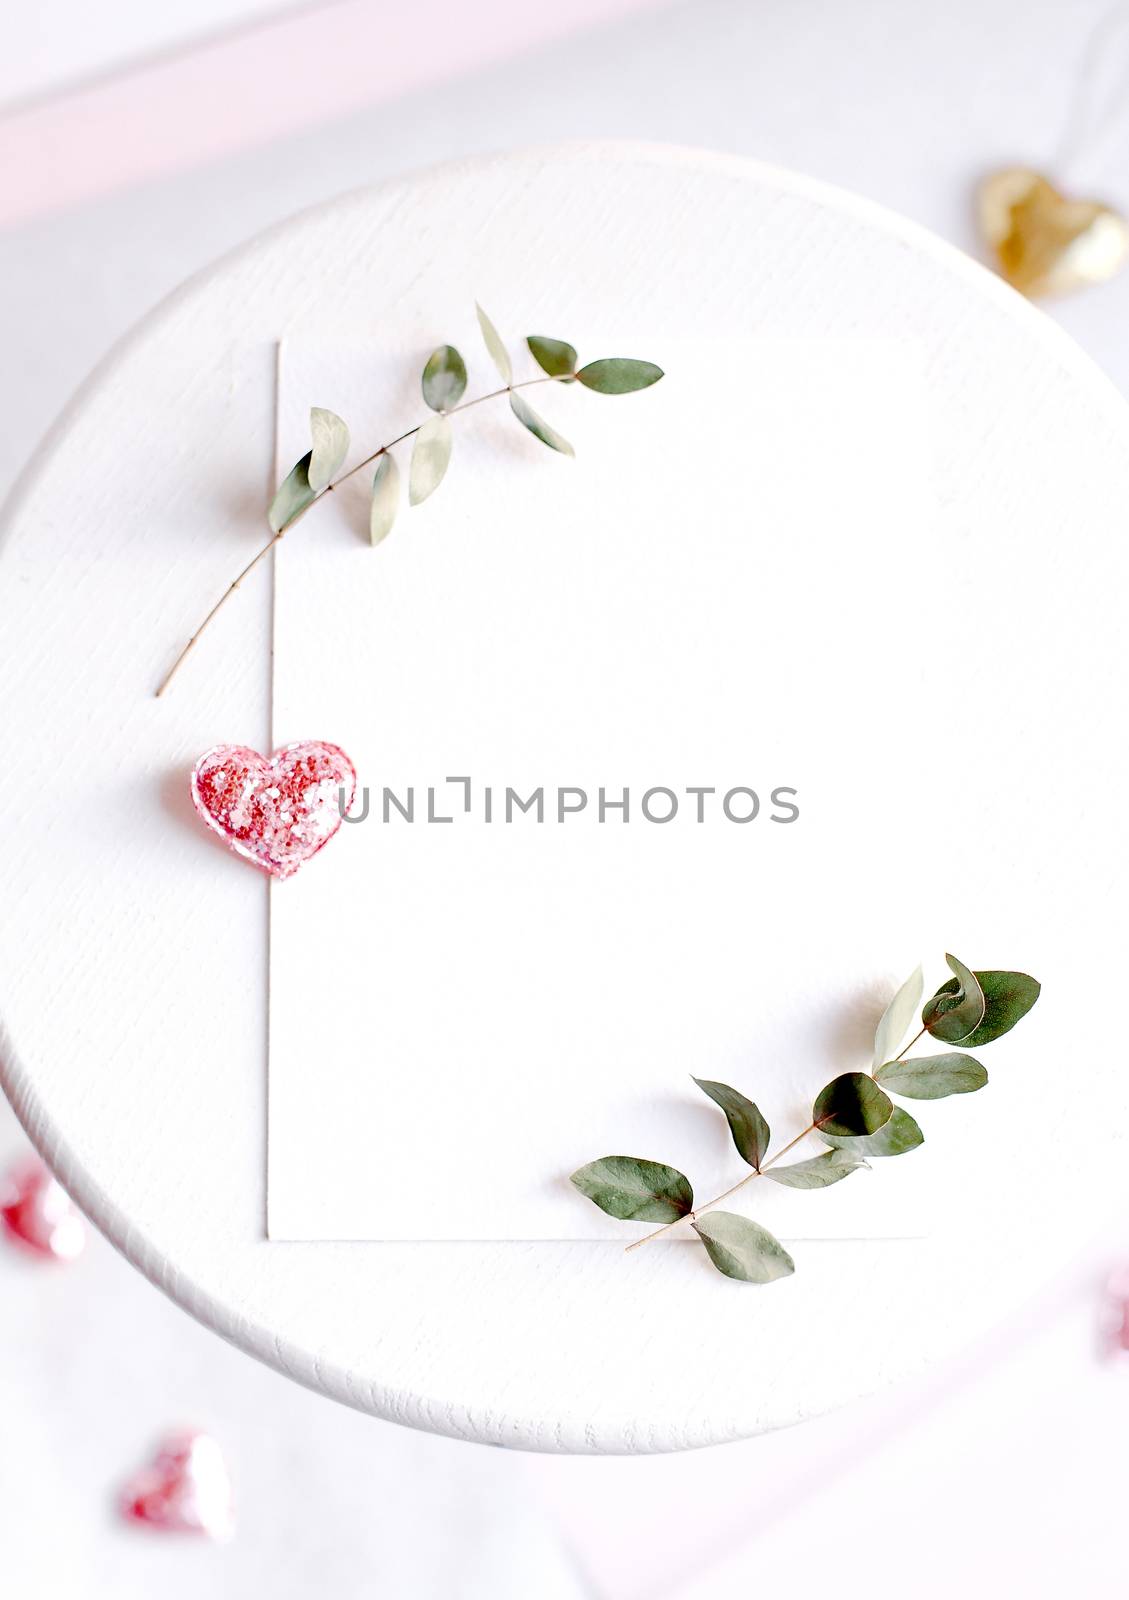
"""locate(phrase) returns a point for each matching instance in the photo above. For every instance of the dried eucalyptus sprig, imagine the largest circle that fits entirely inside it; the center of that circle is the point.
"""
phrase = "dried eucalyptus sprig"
(443, 383)
(854, 1115)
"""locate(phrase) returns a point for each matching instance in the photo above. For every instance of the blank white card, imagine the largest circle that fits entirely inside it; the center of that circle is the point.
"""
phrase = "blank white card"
(581, 679)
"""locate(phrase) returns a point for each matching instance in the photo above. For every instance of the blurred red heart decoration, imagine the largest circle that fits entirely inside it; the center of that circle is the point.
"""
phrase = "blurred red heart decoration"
(184, 1489)
(276, 812)
(1115, 1313)
(37, 1213)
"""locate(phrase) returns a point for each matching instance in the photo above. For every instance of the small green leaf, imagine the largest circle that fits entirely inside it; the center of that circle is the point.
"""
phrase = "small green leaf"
(897, 1017)
(618, 375)
(444, 378)
(932, 1077)
(331, 443)
(749, 1129)
(385, 498)
(635, 1190)
(743, 1249)
(552, 355)
(819, 1171)
(430, 456)
(538, 427)
(898, 1135)
(499, 355)
(292, 497)
(1008, 997)
(955, 1012)
(852, 1105)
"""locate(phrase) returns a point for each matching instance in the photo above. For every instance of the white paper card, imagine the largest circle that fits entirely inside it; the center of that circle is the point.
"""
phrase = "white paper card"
(732, 588)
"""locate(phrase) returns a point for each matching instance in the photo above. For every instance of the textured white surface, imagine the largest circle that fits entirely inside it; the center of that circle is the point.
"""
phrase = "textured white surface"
(128, 1112)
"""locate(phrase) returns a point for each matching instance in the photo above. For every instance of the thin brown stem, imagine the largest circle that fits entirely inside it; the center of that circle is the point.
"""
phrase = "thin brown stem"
(902, 1052)
(228, 592)
(906, 1047)
(717, 1199)
(467, 405)
(919, 1035)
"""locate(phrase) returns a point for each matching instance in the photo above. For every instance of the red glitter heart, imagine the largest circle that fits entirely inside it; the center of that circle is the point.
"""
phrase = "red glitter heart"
(185, 1489)
(277, 812)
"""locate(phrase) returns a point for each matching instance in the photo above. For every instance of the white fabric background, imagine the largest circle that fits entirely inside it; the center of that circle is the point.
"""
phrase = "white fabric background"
(908, 104)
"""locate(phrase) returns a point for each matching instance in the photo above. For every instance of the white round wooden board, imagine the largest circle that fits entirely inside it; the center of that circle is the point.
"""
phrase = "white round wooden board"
(134, 1010)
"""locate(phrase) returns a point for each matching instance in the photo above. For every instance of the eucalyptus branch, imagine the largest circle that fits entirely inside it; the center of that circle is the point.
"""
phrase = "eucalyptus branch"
(443, 383)
(853, 1115)
(494, 394)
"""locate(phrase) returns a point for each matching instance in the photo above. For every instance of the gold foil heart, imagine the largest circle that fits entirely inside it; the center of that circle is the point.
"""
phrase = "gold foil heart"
(1044, 243)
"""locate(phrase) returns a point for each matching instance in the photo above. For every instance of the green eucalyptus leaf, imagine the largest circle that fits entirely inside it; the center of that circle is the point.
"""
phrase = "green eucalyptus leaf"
(932, 1077)
(552, 355)
(817, 1172)
(1008, 997)
(897, 1136)
(852, 1105)
(292, 497)
(749, 1129)
(538, 427)
(897, 1018)
(955, 1012)
(431, 454)
(385, 498)
(330, 439)
(743, 1249)
(444, 378)
(635, 1190)
(499, 355)
(618, 375)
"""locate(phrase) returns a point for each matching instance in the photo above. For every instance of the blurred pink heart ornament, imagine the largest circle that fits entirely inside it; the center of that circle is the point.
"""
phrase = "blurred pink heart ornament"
(1115, 1313)
(184, 1489)
(37, 1212)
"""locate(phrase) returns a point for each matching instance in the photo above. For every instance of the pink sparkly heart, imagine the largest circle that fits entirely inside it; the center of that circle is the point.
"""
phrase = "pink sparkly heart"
(38, 1214)
(276, 813)
(185, 1489)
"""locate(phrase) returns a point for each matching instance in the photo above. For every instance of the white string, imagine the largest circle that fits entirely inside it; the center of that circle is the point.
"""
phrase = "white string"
(1101, 90)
